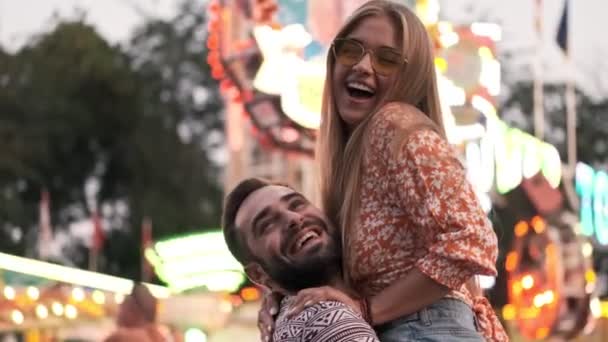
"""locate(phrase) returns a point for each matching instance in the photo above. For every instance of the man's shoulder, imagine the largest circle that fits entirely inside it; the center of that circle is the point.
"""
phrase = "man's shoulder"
(324, 321)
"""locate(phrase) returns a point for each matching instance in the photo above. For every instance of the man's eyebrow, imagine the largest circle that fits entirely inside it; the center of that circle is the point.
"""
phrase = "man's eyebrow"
(258, 217)
(290, 196)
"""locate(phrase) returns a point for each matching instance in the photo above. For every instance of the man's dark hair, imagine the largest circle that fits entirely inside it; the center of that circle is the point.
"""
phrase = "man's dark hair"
(234, 200)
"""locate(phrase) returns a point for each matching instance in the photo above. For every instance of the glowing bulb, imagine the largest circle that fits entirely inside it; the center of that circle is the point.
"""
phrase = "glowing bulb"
(99, 297)
(33, 293)
(527, 282)
(9, 293)
(195, 335)
(596, 308)
(521, 229)
(78, 294)
(587, 250)
(511, 261)
(119, 298)
(57, 308)
(17, 317)
(509, 312)
(71, 312)
(41, 311)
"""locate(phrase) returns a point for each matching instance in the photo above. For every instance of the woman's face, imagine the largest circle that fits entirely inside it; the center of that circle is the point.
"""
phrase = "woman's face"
(358, 89)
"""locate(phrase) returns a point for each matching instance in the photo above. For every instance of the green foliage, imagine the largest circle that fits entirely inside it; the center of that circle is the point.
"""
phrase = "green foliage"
(592, 120)
(73, 108)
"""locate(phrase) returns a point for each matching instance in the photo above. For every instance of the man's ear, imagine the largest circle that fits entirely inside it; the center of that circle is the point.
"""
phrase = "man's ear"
(258, 276)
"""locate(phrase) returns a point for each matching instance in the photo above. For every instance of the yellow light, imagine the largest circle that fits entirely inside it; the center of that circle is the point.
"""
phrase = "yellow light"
(590, 277)
(9, 293)
(527, 282)
(74, 276)
(485, 53)
(78, 294)
(33, 293)
(17, 317)
(521, 229)
(441, 64)
(587, 249)
(57, 308)
(71, 312)
(539, 225)
(511, 261)
(119, 298)
(517, 288)
(529, 313)
(604, 309)
(541, 333)
(99, 297)
(41, 311)
(509, 312)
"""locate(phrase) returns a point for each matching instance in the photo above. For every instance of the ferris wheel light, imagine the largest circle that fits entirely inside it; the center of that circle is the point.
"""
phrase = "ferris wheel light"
(527, 282)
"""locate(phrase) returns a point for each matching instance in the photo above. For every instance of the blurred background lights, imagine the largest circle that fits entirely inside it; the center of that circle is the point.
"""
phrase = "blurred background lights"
(195, 335)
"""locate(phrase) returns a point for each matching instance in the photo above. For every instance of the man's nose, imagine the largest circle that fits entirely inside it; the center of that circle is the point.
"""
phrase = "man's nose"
(365, 64)
(294, 221)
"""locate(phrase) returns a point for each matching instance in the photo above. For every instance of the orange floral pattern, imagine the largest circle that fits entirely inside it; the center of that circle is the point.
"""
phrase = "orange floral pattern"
(417, 210)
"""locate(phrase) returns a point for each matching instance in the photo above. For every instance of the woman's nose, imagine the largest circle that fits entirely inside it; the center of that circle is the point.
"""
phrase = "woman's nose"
(365, 64)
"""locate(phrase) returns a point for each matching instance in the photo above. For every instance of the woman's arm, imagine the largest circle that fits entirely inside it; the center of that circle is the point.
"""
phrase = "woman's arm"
(407, 295)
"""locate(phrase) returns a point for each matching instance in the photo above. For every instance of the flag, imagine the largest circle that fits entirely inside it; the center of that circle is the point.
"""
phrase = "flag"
(562, 30)
(146, 242)
(98, 234)
(45, 230)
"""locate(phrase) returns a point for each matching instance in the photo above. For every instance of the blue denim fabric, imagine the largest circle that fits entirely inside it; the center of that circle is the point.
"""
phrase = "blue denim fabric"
(444, 321)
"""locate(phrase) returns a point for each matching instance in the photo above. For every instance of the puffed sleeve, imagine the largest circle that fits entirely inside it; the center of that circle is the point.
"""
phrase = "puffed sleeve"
(431, 185)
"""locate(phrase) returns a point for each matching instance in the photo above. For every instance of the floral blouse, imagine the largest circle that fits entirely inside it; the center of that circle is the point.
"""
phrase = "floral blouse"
(418, 210)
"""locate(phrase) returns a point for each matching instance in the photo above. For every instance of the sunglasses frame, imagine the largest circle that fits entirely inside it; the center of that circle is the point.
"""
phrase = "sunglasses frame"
(371, 52)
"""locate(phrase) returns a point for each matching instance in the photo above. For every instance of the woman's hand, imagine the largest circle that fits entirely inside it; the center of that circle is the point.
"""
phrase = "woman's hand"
(267, 313)
(311, 296)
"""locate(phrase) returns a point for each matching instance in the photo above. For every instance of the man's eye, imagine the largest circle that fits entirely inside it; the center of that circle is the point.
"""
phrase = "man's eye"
(265, 227)
(296, 204)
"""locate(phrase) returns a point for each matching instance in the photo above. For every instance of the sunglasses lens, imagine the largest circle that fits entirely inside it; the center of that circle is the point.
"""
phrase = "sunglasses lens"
(387, 61)
(348, 52)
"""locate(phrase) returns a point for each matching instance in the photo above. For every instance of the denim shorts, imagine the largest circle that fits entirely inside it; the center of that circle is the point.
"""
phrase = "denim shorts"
(444, 321)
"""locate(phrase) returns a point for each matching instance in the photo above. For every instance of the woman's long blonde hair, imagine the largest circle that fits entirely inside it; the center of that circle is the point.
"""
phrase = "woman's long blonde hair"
(340, 154)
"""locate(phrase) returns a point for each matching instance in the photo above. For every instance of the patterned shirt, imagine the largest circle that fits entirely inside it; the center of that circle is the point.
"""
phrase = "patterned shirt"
(327, 321)
(417, 210)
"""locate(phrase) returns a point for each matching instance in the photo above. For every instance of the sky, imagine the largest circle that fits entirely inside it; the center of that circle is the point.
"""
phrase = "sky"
(116, 20)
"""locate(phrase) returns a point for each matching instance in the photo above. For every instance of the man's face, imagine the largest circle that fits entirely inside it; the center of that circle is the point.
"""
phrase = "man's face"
(292, 240)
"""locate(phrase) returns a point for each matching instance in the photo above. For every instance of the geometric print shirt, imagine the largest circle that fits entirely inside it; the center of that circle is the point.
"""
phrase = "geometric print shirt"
(327, 321)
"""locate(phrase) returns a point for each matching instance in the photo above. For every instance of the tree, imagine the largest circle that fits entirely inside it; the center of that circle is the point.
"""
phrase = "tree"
(592, 127)
(75, 111)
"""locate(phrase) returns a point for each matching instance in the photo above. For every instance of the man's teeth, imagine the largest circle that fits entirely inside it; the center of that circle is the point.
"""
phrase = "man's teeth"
(305, 238)
(360, 86)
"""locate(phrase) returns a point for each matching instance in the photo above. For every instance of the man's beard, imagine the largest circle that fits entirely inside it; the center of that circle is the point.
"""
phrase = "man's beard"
(313, 271)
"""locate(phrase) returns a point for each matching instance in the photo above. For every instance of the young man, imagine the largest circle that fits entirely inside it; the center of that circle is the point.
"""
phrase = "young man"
(286, 244)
